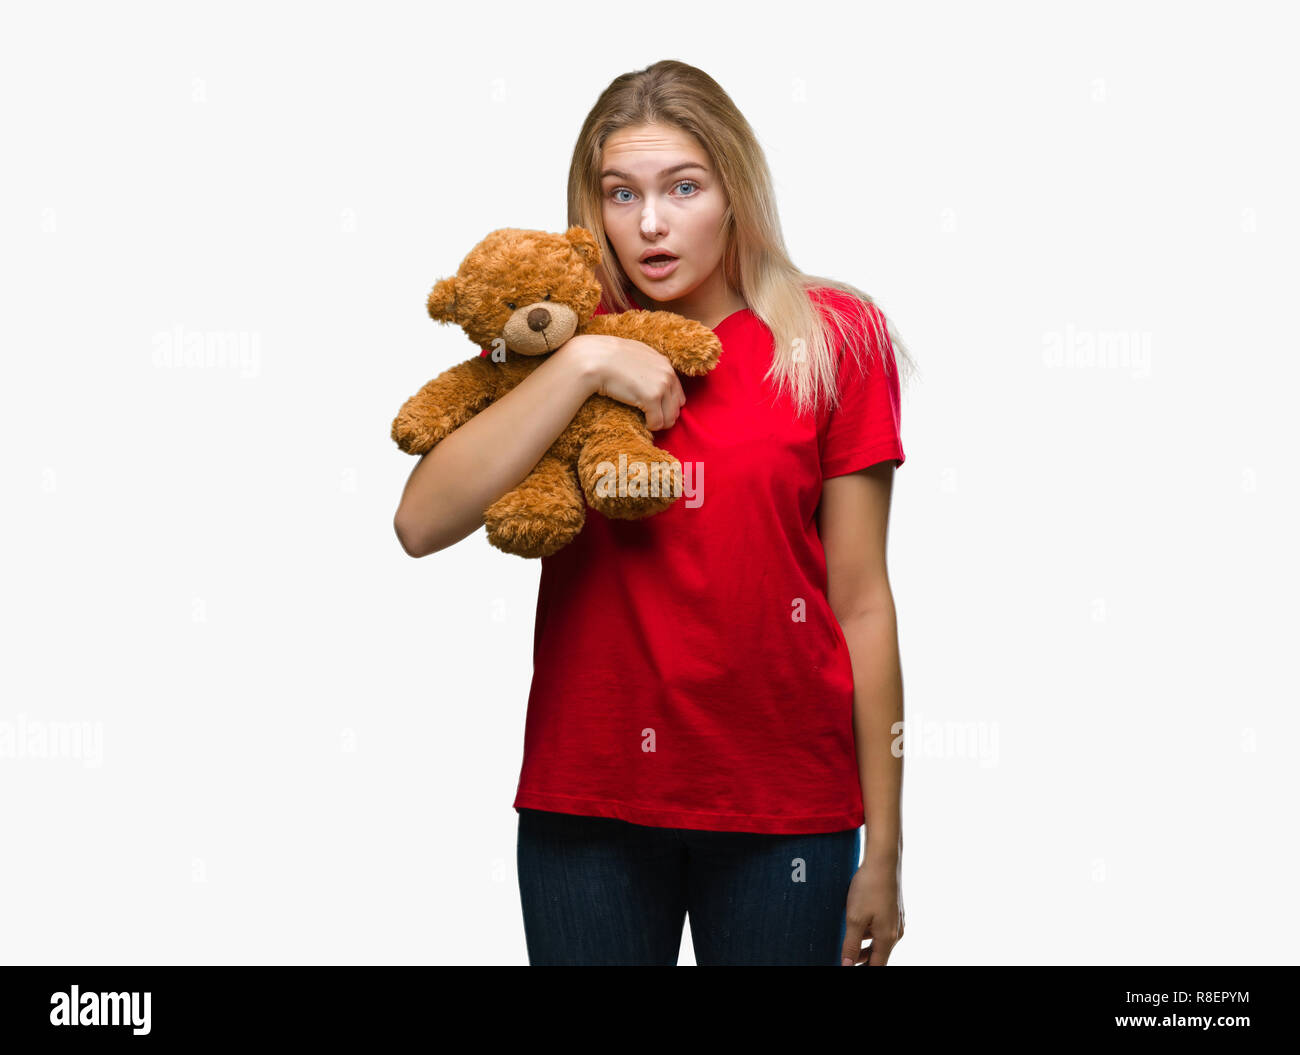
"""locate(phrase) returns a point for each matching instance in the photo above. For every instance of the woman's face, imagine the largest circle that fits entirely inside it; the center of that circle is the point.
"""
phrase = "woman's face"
(658, 192)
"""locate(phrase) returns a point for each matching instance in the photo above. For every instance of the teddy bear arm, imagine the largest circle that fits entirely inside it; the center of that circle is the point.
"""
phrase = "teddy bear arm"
(690, 346)
(444, 405)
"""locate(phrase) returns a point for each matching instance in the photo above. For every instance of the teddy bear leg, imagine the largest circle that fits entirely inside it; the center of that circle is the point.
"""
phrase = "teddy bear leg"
(624, 475)
(539, 516)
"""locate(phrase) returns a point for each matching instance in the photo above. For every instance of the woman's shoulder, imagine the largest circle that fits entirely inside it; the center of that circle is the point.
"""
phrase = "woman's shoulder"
(853, 322)
(841, 303)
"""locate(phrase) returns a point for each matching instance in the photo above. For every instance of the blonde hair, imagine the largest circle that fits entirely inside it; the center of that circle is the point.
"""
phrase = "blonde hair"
(756, 263)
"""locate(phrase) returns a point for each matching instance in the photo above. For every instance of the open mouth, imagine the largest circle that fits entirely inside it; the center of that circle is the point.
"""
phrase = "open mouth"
(661, 265)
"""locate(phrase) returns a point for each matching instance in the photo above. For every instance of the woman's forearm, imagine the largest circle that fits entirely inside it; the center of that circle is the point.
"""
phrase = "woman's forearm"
(476, 464)
(877, 711)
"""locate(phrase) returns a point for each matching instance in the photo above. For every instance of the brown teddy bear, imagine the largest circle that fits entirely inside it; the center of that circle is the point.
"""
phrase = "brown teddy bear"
(523, 294)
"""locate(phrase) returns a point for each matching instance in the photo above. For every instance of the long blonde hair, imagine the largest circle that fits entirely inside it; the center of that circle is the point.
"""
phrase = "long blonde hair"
(756, 263)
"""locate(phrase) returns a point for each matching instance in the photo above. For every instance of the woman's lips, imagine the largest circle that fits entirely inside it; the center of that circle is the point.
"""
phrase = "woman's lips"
(658, 268)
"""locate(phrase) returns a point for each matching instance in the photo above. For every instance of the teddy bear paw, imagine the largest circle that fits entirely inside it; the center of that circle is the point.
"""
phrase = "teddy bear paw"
(532, 540)
(651, 483)
(699, 355)
(539, 516)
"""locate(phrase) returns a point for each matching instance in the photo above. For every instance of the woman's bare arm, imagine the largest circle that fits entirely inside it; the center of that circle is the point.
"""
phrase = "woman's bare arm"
(476, 464)
(853, 521)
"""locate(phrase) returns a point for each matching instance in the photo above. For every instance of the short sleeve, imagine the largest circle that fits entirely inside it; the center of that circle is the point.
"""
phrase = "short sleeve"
(865, 428)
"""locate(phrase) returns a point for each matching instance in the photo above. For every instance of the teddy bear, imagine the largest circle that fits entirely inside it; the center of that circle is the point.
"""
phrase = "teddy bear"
(523, 294)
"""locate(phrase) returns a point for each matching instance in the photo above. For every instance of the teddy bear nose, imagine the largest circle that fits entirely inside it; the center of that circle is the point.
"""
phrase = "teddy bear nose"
(539, 319)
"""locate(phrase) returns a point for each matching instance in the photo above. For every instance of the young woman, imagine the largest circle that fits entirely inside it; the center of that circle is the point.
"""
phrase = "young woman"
(716, 688)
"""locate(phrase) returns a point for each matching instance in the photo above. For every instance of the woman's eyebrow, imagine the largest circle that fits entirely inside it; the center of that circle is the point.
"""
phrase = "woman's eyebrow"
(665, 172)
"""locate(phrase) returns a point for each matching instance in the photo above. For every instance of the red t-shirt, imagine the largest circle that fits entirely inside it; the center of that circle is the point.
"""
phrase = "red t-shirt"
(688, 671)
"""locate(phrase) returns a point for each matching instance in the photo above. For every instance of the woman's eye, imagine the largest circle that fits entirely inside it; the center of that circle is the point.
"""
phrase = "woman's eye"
(614, 194)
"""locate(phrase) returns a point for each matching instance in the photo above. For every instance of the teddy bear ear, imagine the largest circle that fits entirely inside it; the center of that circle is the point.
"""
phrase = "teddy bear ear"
(584, 243)
(442, 301)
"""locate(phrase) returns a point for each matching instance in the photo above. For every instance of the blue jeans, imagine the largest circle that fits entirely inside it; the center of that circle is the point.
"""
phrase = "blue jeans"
(600, 891)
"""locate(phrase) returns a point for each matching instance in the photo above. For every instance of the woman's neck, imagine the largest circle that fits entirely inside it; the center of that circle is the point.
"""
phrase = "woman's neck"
(707, 306)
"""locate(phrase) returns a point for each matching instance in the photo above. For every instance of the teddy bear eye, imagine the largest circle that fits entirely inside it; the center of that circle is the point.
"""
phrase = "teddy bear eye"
(547, 297)
(510, 306)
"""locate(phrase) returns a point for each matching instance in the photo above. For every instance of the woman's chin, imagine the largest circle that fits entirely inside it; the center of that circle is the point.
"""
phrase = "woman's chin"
(669, 289)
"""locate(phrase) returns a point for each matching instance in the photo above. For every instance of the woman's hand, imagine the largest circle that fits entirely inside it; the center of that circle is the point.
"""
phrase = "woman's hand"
(874, 910)
(631, 372)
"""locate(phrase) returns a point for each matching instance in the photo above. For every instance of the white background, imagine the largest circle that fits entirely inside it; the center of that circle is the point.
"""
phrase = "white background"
(310, 741)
